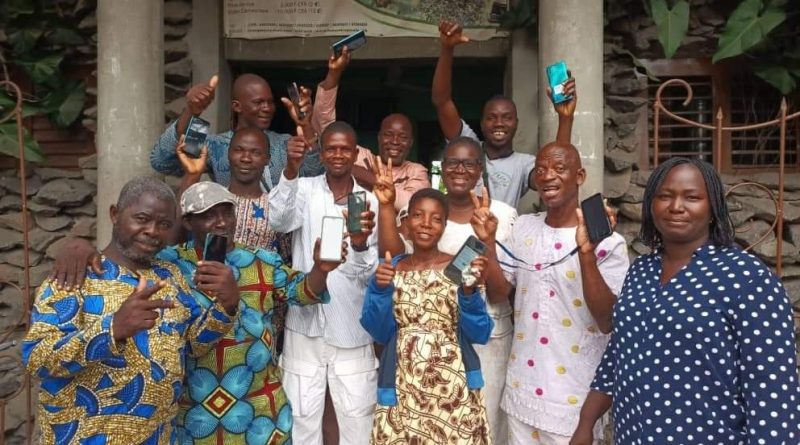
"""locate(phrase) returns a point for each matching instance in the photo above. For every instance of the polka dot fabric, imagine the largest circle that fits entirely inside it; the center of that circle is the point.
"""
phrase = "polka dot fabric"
(708, 358)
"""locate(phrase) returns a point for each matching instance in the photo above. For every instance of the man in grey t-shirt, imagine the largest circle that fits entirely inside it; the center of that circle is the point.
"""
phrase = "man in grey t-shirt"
(507, 171)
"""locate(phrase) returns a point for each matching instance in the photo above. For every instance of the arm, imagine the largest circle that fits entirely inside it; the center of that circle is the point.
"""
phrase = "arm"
(476, 325)
(285, 206)
(485, 224)
(377, 313)
(58, 344)
(566, 113)
(325, 104)
(441, 90)
(206, 325)
(768, 382)
(388, 236)
(595, 405)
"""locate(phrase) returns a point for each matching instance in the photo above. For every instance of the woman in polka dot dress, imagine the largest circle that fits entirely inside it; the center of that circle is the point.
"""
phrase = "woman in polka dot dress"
(703, 347)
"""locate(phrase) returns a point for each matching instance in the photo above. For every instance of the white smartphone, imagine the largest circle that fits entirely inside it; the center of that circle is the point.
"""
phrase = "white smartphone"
(331, 238)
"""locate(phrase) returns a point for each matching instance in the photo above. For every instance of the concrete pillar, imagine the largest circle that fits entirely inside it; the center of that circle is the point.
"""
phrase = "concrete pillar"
(572, 30)
(522, 76)
(130, 102)
(206, 52)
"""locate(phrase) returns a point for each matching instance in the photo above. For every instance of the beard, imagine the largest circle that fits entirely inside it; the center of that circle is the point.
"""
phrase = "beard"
(128, 251)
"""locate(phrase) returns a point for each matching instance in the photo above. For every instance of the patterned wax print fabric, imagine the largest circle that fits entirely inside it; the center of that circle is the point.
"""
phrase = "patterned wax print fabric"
(252, 216)
(557, 344)
(434, 404)
(233, 393)
(95, 390)
(707, 358)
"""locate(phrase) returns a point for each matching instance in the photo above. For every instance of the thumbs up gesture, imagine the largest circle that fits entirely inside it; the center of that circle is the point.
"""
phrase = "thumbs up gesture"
(139, 312)
(385, 273)
(200, 96)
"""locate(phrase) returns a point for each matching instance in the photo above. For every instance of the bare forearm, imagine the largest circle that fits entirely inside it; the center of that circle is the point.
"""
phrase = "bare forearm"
(441, 92)
(364, 177)
(388, 232)
(564, 133)
(316, 280)
(331, 80)
(595, 405)
(183, 122)
(599, 298)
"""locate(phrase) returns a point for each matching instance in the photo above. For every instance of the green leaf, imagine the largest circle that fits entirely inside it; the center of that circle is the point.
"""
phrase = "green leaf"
(748, 25)
(7, 103)
(672, 24)
(8, 143)
(42, 70)
(65, 37)
(24, 40)
(778, 76)
(66, 104)
(17, 7)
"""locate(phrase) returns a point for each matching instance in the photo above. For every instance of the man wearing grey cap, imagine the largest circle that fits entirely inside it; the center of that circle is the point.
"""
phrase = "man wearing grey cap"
(234, 392)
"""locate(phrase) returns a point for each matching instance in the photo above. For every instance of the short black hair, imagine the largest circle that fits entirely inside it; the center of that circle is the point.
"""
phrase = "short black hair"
(468, 141)
(429, 193)
(500, 98)
(721, 231)
(251, 130)
(338, 127)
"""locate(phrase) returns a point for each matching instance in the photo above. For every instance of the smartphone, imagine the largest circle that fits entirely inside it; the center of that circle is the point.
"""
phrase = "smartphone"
(330, 248)
(294, 96)
(215, 248)
(353, 42)
(557, 76)
(356, 205)
(472, 248)
(196, 134)
(596, 218)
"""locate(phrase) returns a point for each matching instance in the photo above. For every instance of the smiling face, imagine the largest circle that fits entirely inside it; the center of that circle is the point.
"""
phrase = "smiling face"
(558, 174)
(461, 168)
(338, 153)
(143, 228)
(425, 222)
(253, 102)
(681, 209)
(248, 155)
(219, 220)
(499, 123)
(395, 138)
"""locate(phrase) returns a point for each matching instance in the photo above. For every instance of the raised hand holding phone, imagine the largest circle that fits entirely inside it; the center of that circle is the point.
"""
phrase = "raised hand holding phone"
(193, 166)
(596, 221)
(384, 275)
(476, 267)
(299, 105)
(138, 312)
(358, 239)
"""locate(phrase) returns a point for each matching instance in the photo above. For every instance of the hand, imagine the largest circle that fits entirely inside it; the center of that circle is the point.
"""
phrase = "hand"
(450, 34)
(566, 109)
(478, 265)
(69, 270)
(296, 150)
(192, 166)
(305, 107)
(200, 96)
(483, 221)
(139, 312)
(384, 275)
(328, 266)
(337, 65)
(384, 182)
(216, 280)
(582, 436)
(582, 233)
(359, 239)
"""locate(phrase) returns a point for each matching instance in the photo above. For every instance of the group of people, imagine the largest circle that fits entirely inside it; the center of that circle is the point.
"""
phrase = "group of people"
(151, 342)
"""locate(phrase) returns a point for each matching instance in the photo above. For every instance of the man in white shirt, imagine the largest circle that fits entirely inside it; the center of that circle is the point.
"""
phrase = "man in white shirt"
(327, 345)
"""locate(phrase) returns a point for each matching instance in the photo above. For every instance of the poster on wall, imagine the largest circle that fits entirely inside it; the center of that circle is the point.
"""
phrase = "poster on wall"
(267, 19)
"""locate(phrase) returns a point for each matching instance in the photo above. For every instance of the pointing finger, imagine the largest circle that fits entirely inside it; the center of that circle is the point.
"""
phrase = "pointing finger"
(388, 257)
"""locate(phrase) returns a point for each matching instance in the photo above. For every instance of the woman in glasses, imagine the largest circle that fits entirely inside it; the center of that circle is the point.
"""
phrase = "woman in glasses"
(462, 169)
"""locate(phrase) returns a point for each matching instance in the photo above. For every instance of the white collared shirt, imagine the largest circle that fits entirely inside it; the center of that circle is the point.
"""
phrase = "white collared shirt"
(298, 206)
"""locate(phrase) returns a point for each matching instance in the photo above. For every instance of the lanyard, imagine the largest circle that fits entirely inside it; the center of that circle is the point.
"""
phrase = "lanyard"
(531, 267)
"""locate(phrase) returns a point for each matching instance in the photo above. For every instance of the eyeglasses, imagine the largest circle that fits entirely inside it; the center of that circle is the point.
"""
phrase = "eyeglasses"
(451, 164)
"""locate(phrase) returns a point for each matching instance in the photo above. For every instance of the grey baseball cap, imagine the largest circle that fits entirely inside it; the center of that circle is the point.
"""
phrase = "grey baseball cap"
(203, 195)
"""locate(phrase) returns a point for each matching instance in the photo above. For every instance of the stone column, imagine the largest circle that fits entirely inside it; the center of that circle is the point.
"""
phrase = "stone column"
(572, 30)
(130, 102)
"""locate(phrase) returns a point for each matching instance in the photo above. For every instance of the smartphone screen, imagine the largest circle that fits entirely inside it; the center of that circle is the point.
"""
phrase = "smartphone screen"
(294, 96)
(353, 42)
(215, 248)
(557, 75)
(331, 238)
(596, 218)
(356, 205)
(196, 134)
(472, 248)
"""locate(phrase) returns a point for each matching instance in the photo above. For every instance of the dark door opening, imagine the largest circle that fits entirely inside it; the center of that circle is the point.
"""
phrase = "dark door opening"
(370, 90)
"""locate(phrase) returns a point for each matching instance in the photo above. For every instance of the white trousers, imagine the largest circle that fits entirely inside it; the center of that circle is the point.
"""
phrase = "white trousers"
(310, 364)
(523, 434)
(494, 362)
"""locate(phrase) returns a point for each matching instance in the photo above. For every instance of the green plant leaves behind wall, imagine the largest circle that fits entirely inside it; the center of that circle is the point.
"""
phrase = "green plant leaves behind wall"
(521, 14)
(747, 26)
(8, 143)
(64, 105)
(672, 23)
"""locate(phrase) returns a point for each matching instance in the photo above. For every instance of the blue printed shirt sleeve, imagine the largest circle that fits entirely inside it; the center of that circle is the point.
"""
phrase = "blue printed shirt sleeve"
(476, 325)
(377, 314)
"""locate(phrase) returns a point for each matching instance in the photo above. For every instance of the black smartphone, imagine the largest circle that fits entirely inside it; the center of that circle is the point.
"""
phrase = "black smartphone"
(215, 248)
(196, 134)
(353, 42)
(330, 248)
(356, 205)
(471, 248)
(596, 218)
(294, 96)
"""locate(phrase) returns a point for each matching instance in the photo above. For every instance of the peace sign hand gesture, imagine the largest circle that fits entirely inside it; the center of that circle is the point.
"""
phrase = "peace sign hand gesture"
(483, 221)
(384, 182)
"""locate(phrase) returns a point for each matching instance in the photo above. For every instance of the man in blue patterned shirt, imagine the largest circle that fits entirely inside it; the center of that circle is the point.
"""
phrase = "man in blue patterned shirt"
(111, 353)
